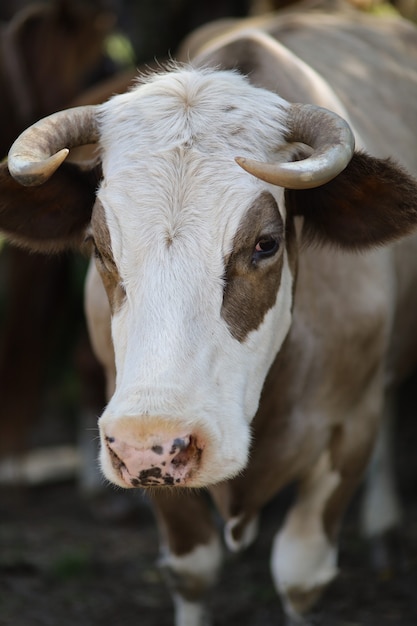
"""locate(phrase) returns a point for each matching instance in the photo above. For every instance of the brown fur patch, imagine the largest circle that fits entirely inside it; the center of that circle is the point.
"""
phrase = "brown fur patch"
(372, 202)
(104, 258)
(184, 517)
(251, 287)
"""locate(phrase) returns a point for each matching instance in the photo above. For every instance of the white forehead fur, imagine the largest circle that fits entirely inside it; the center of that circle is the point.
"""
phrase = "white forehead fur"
(184, 107)
(169, 147)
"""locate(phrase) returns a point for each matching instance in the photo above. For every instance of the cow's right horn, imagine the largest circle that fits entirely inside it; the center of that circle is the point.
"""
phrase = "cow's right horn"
(332, 143)
(41, 148)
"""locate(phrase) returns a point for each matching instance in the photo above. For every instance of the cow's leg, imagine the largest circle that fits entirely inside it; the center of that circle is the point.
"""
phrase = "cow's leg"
(381, 509)
(304, 559)
(191, 552)
(304, 554)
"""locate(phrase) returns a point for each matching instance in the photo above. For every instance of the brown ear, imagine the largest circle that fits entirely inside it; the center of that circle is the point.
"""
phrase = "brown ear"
(372, 202)
(53, 216)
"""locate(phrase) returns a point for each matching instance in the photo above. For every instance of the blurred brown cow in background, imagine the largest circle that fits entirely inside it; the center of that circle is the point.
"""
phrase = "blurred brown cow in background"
(48, 54)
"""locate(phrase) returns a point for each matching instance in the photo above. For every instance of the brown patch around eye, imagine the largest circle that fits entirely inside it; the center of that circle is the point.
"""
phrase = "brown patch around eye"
(251, 287)
(105, 260)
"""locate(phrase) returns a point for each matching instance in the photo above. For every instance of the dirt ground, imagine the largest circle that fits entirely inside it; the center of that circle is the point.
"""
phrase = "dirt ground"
(64, 563)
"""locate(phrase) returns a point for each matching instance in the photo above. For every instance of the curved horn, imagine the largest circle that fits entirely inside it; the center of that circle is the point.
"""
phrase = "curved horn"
(330, 137)
(41, 148)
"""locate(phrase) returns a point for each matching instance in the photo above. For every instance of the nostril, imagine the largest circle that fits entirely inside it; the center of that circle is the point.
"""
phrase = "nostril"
(180, 443)
(185, 449)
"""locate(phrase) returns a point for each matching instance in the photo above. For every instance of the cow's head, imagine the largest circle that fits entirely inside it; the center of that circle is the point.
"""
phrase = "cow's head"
(197, 255)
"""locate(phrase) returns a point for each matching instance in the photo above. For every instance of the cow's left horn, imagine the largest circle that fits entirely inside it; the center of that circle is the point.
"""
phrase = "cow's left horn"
(41, 148)
(326, 133)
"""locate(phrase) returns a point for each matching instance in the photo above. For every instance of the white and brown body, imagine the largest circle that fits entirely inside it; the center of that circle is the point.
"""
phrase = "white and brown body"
(249, 319)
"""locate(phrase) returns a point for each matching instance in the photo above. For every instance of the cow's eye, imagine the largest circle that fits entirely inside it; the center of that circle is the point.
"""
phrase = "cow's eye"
(265, 248)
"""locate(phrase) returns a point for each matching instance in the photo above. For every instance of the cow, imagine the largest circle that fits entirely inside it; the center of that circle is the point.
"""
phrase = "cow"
(252, 290)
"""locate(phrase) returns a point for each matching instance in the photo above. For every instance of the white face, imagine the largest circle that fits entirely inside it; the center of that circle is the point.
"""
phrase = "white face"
(192, 252)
